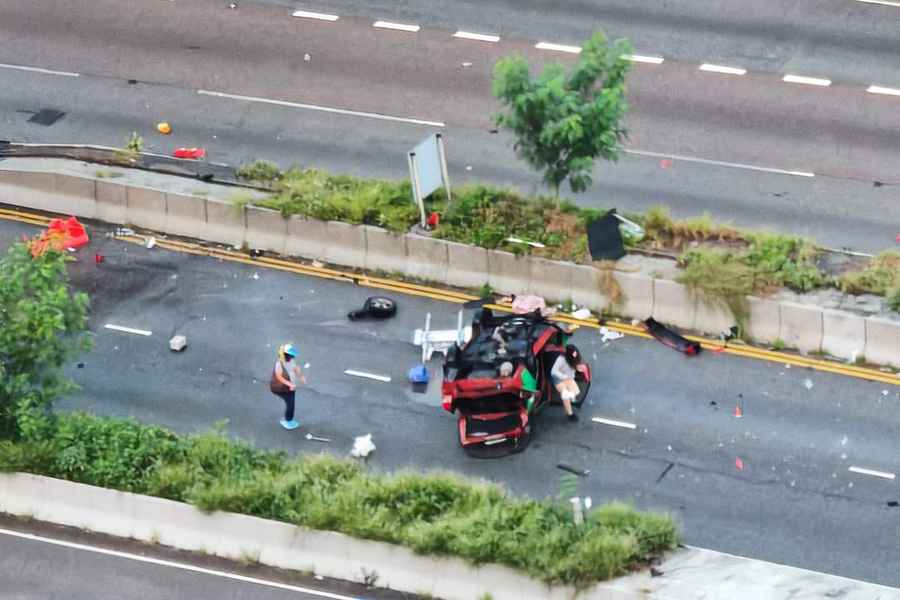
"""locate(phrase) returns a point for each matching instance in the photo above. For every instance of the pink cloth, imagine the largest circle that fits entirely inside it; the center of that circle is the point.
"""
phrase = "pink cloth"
(528, 304)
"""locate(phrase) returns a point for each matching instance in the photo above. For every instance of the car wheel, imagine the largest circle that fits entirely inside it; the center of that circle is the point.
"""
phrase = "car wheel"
(381, 307)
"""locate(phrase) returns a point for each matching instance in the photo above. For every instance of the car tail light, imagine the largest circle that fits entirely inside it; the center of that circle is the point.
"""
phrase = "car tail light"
(447, 403)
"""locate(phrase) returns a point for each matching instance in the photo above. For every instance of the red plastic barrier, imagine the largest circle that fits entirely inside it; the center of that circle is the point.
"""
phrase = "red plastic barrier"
(194, 153)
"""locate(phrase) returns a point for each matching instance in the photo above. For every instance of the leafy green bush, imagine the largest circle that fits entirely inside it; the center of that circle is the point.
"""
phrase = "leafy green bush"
(881, 277)
(260, 170)
(438, 514)
(720, 278)
(781, 260)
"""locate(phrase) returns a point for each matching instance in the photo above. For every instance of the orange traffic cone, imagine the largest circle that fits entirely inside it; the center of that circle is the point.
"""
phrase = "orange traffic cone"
(738, 412)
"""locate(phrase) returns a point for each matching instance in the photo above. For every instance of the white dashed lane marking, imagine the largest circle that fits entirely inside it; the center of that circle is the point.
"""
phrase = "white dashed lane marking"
(640, 58)
(722, 69)
(339, 111)
(719, 163)
(305, 14)
(128, 329)
(881, 2)
(478, 37)
(877, 89)
(558, 47)
(39, 70)
(614, 423)
(871, 472)
(806, 80)
(396, 26)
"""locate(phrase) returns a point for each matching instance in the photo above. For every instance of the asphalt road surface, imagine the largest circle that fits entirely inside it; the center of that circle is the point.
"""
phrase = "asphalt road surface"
(39, 560)
(174, 61)
(795, 501)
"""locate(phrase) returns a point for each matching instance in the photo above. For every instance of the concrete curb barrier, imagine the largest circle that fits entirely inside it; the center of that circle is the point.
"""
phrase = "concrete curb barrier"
(183, 213)
(306, 237)
(673, 304)
(687, 573)
(467, 266)
(426, 258)
(145, 207)
(266, 229)
(551, 279)
(346, 245)
(801, 326)
(883, 341)
(808, 328)
(224, 223)
(765, 319)
(508, 273)
(385, 251)
(843, 334)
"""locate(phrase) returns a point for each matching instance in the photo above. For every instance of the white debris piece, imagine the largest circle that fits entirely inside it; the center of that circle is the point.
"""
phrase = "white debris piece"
(178, 343)
(256, 276)
(151, 241)
(362, 446)
(316, 438)
(808, 384)
(607, 336)
(582, 313)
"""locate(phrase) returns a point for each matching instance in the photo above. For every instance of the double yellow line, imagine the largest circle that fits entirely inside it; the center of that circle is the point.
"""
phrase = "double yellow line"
(736, 348)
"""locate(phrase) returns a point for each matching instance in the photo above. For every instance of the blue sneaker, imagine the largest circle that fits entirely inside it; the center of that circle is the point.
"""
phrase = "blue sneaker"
(290, 425)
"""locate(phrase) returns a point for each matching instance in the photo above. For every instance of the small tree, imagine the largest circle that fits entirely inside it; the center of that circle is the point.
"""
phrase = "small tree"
(562, 122)
(41, 327)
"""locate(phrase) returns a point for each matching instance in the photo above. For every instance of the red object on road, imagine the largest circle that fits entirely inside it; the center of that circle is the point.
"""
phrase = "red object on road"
(434, 219)
(738, 413)
(61, 234)
(98, 258)
(739, 464)
(193, 153)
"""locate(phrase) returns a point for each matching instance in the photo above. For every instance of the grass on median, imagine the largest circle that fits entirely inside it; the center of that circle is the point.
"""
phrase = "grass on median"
(881, 277)
(437, 514)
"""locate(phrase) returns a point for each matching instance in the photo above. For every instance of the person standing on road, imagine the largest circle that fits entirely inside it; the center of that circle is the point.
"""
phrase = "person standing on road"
(285, 376)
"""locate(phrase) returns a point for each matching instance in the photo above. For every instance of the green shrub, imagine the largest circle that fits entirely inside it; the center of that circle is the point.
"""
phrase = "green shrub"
(881, 277)
(719, 278)
(438, 514)
(260, 170)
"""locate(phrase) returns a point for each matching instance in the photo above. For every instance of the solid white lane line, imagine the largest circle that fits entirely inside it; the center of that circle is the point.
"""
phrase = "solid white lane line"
(479, 37)
(806, 80)
(396, 26)
(128, 329)
(877, 89)
(862, 471)
(652, 60)
(558, 47)
(614, 423)
(173, 565)
(383, 378)
(882, 2)
(305, 14)
(339, 111)
(719, 163)
(39, 70)
(722, 69)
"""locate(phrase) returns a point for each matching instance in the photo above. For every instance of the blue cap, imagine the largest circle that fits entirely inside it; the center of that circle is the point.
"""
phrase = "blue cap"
(290, 350)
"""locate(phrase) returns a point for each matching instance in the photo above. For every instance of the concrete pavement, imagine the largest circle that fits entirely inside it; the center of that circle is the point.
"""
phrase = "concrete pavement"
(794, 500)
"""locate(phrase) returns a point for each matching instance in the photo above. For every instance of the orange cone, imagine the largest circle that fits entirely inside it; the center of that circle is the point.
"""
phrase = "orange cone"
(738, 413)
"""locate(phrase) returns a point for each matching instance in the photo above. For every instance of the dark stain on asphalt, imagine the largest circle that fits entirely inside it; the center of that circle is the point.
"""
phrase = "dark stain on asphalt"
(665, 472)
(46, 117)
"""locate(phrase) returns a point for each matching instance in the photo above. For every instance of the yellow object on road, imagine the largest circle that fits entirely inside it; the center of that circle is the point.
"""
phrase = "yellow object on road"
(164, 128)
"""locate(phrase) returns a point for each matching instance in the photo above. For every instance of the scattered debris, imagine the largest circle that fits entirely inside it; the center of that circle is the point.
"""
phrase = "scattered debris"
(164, 128)
(893, 503)
(573, 470)
(515, 240)
(654, 572)
(467, 64)
(671, 339)
(713, 403)
(635, 322)
(585, 313)
(316, 438)
(306, 366)
(318, 577)
(440, 340)
(885, 392)
(98, 258)
(60, 234)
(607, 336)
(151, 241)
(577, 510)
(318, 264)
(80, 365)
(362, 446)
(739, 464)
(808, 384)
(418, 374)
(787, 365)
(128, 330)
(365, 375)
(178, 343)
(307, 57)
(605, 238)
(378, 307)
(738, 411)
(256, 276)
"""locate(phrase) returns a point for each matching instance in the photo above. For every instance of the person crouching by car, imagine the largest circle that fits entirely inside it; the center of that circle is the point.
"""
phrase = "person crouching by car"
(285, 376)
(563, 376)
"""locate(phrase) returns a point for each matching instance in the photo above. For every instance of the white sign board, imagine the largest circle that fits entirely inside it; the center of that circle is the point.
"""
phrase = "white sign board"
(428, 170)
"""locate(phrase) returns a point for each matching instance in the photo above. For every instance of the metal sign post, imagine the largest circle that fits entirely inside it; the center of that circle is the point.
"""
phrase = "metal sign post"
(416, 189)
